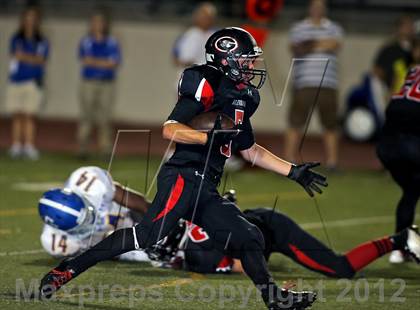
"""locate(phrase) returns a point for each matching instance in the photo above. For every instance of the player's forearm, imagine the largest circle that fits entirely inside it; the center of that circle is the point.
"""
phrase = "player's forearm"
(131, 199)
(263, 158)
(181, 133)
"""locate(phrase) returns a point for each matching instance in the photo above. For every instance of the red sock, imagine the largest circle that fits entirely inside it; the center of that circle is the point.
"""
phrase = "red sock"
(366, 253)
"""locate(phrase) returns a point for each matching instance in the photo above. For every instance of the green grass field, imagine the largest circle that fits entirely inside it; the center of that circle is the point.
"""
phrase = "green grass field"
(357, 206)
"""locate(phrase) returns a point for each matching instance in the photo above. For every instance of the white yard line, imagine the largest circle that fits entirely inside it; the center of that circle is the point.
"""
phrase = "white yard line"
(352, 222)
(35, 186)
(18, 253)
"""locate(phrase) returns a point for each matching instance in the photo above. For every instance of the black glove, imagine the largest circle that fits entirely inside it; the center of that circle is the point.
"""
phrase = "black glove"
(309, 179)
(220, 136)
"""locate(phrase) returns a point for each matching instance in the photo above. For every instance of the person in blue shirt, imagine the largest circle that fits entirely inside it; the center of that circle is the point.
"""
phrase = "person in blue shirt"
(29, 51)
(100, 55)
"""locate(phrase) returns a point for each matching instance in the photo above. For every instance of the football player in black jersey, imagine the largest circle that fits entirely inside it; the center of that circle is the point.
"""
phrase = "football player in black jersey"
(187, 183)
(399, 146)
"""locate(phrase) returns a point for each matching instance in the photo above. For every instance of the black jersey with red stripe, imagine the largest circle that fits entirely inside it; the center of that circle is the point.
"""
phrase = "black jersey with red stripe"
(403, 112)
(205, 88)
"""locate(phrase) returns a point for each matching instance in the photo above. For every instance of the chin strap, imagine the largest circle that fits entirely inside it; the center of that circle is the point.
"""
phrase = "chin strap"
(234, 71)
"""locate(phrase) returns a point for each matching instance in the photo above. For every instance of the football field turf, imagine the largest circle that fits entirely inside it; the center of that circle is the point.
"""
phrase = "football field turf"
(357, 206)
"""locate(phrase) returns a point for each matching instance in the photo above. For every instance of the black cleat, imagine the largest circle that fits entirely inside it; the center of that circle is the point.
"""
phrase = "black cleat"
(55, 279)
(292, 300)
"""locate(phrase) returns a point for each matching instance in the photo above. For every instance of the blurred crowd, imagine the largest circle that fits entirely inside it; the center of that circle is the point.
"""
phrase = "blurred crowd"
(315, 43)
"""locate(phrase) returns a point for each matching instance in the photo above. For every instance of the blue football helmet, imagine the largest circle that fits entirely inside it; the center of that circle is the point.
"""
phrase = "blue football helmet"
(64, 210)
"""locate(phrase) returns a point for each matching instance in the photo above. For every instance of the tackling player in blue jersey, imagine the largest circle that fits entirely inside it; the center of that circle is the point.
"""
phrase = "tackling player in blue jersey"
(87, 209)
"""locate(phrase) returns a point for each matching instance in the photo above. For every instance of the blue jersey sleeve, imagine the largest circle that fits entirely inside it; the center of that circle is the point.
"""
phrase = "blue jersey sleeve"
(13, 45)
(115, 51)
(84, 49)
(43, 49)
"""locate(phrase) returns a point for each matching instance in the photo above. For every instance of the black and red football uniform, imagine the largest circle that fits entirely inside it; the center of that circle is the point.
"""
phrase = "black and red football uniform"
(205, 88)
(399, 146)
(186, 191)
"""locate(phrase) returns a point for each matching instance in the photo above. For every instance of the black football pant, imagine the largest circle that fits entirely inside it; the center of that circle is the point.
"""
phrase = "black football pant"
(183, 193)
(400, 154)
(291, 240)
(284, 236)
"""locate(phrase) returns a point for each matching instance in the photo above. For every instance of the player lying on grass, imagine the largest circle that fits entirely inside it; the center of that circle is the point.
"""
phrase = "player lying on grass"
(187, 183)
(191, 248)
(88, 208)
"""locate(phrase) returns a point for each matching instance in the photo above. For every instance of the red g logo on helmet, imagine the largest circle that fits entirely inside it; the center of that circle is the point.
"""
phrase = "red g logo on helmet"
(226, 44)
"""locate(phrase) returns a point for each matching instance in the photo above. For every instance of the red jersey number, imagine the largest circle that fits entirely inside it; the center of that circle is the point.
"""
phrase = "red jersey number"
(411, 87)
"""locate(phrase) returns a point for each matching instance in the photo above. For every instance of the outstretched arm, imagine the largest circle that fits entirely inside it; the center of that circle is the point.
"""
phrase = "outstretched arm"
(302, 174)
(131, 199)
(263, 158)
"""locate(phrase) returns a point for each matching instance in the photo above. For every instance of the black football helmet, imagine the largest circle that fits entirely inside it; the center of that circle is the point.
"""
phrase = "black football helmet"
(239, 50)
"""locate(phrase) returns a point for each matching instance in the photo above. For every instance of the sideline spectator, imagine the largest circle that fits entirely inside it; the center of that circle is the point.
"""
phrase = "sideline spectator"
(189, 47)
(393, 59)
(315, 37)
(29, 51)
(100, 56)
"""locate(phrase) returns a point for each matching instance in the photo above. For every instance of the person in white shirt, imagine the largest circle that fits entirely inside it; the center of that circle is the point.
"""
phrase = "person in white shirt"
(189, 47)
(87, 209)
(315, 42)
